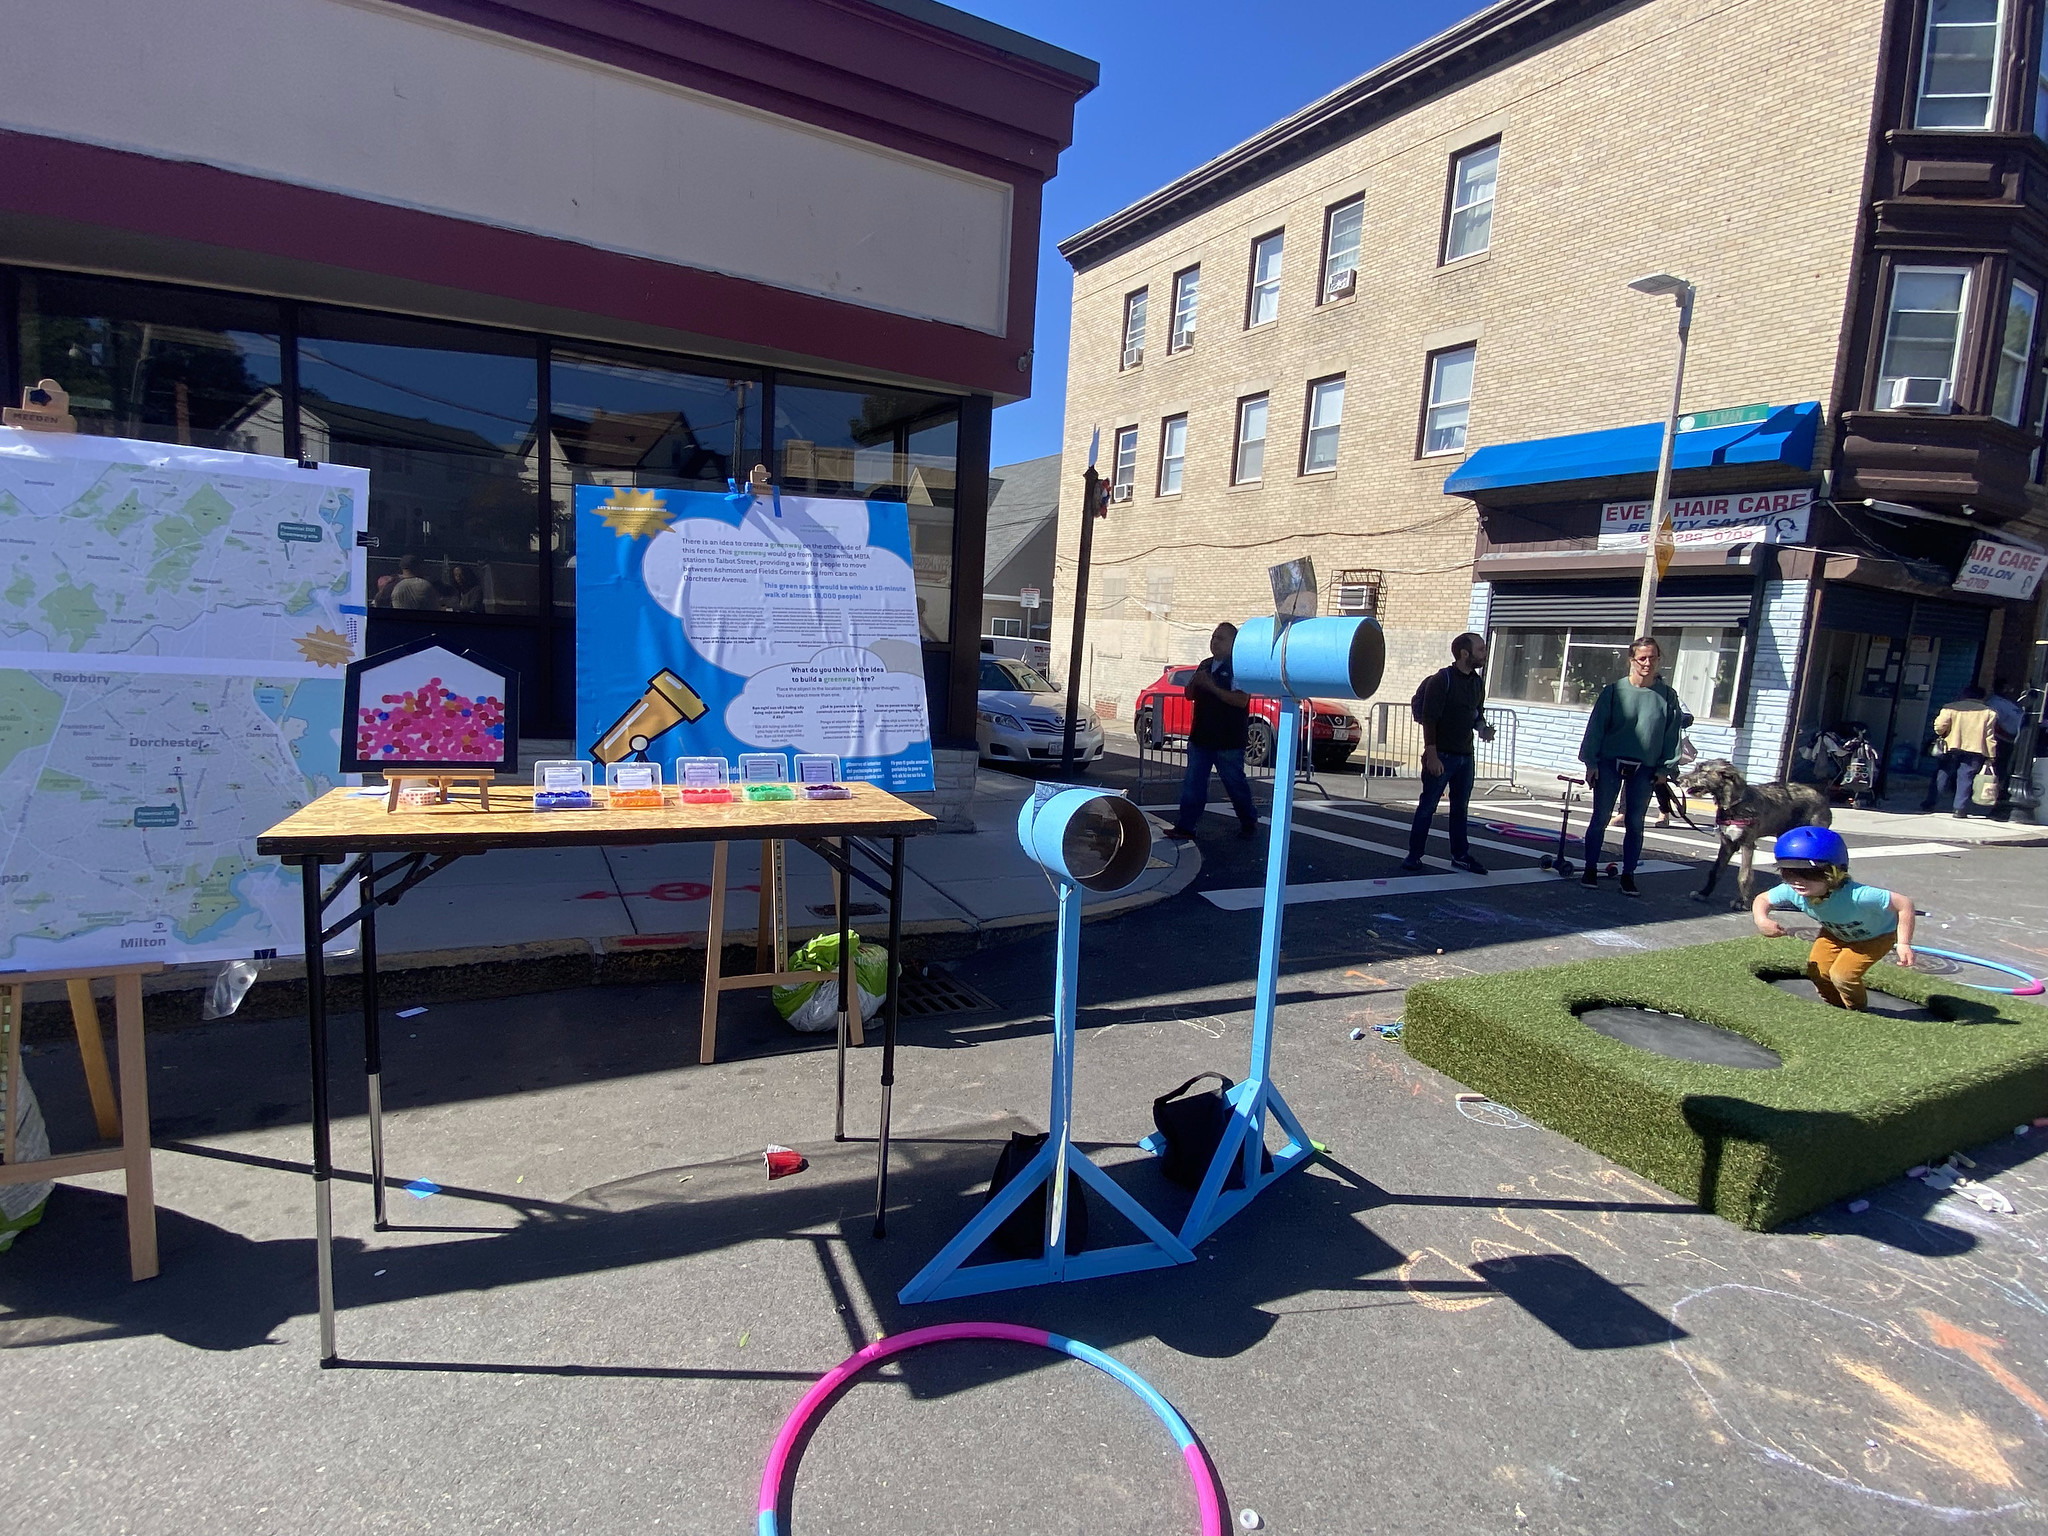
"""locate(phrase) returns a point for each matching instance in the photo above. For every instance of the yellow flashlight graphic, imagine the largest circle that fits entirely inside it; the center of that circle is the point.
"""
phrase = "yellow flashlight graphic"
(668, 701)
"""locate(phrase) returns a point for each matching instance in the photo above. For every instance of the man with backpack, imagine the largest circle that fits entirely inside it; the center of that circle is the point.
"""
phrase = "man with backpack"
(1450, 707)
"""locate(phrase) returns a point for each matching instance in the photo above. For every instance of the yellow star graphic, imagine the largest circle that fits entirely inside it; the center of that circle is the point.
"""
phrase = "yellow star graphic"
(635, 514)
(325, 647)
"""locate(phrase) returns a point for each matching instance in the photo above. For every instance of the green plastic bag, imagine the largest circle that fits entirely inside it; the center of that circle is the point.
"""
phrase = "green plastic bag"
(813, 1006)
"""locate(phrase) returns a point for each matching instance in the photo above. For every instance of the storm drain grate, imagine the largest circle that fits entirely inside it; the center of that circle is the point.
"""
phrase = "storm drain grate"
(921, 997)
(854, 909)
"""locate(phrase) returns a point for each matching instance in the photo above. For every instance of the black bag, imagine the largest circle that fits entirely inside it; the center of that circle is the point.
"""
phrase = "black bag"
(1193, 1130)
(1022, 1233)
(1417, 704)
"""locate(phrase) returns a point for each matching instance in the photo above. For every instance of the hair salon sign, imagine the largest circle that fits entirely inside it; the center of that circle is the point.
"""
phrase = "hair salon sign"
(2001, 570)
(1706, 522)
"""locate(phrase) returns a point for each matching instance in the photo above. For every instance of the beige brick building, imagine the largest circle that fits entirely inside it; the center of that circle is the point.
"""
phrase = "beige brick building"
(1727, 142)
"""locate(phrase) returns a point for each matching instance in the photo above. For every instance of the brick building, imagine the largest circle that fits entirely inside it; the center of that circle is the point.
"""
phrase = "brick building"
(1394, 333)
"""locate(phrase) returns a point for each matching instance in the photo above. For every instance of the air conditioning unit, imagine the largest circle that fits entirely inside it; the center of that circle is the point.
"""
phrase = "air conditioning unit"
(1343, 284)
(1182, 340)
(1133, 356)
(1909, 394)
(1119, 493)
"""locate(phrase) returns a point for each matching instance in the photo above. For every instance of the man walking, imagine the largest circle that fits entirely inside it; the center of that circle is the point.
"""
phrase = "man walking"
(1216, 740)
(1451, 707)
(2010, 720)
(1968, 730)
(1630, 747)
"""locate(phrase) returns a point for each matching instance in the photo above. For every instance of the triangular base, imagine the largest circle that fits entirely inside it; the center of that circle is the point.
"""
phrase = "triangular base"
(949, 1274)
(1244, 1145)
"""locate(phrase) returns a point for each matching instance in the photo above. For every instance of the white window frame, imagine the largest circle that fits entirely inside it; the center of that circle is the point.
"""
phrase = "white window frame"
(1265, 291)
(1323, 423)
(1242, 443)
(1125, 472)
(1453, 207)
(1136, 303)
(1336, 262)
(2012, 366)
(1920, 94)
(1173, 454)
(1187, 298)
(1435, 406)
(1891, 319)
(1009, 628)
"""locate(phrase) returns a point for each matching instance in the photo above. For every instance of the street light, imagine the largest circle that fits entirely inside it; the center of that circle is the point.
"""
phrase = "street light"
(1663, 284)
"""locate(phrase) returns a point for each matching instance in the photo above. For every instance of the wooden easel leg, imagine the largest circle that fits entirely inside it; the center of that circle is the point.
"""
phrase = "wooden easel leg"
(135, 1126)
(714, 946)
(391, 800)
(92, 1055)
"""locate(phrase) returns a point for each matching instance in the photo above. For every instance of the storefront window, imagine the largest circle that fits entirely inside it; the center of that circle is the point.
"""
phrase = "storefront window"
(1570, 666)
(615, 421)
(443, 418)
(885, 445)
(165, 365)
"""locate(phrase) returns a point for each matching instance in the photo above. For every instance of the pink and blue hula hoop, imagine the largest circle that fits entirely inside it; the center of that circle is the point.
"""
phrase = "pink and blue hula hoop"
(1208, 1497)
(2031, 986)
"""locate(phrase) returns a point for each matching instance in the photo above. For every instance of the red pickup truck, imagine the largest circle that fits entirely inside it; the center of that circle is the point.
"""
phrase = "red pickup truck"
(1163, 713)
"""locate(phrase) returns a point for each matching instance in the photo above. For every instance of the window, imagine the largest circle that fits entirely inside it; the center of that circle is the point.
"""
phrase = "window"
(1921, 332)
(1249, 462)
(1958, 76)
(2015, 348)
(1187, 288)
(1325, 421)
(1265, 296)
(1009, 628)
(1173, 453)
(1569, 666)
(1468, 225)
(1134, 327)
(2041, 87)
(1342, 227)
(1126, 472)
(1449, 408)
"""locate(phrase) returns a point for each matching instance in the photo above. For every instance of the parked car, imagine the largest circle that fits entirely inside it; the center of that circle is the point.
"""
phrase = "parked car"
(1022, 718)
(1164, 713)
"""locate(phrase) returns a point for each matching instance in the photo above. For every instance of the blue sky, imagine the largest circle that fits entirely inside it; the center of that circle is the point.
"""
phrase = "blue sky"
(1181, 83)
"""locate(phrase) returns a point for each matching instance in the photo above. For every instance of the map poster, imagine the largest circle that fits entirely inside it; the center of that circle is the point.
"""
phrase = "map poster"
(174, 625)
(708, 625)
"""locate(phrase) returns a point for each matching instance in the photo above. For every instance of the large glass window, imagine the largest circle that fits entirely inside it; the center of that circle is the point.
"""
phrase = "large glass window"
(1264, 303)
(617, 420)
(1959, 74)
(1921, 331)
(1173, 454)
(1125, 474)
(1134, 328)
(1325, 422)
(1249, 461)
(1567, 666)
(1343, 227)
(165, 365)
(2015, 347)
(884, 445)
(1468, 226)
(1187, 293)
(444, 419)
(1448, 408)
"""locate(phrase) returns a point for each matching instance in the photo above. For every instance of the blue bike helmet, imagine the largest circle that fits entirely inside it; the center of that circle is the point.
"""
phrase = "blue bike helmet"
(1812, 845)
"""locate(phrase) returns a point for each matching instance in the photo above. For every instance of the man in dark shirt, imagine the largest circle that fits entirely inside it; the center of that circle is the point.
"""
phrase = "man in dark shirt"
(1216, 740)
(1452, 706)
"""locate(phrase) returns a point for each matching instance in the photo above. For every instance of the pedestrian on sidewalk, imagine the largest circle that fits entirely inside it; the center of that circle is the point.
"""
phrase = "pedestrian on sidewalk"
(1451, 707)
(1216, 740)
(2010, 719)
(1859, 924)
(1968, 732)
(1630, 747)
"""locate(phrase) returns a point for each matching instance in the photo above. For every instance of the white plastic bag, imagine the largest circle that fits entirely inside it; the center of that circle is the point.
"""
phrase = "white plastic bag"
(21, 1205)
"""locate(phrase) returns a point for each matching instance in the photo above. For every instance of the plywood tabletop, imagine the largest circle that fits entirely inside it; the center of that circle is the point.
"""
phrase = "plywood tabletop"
(348, 821)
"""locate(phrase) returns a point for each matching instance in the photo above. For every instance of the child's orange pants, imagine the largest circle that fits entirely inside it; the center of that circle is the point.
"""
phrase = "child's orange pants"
(1836, 967)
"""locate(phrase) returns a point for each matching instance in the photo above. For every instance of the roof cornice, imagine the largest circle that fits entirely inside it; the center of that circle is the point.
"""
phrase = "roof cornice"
(1451, 58)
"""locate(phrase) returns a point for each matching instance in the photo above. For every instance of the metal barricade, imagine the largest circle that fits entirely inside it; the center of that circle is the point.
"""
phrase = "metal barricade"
(1391, 752)
(1163, 766)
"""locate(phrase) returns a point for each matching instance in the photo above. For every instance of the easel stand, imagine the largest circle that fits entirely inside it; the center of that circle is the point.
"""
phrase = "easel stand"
(127, 1117)
(945, 1275)
(440, 781)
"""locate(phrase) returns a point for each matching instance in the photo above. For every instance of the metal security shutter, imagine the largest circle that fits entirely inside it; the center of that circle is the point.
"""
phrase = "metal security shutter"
(1864, 610)
(1950, 621)
(1612, 604)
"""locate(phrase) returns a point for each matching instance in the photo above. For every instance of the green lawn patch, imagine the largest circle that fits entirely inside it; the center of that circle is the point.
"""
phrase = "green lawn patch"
(1860, 1097)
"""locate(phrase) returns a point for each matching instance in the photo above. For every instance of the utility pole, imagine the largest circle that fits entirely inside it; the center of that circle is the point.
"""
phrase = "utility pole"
(1660, 546)
(1091, 508)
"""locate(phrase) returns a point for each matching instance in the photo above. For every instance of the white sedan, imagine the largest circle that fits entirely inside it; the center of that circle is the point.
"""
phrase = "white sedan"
(1022, 718)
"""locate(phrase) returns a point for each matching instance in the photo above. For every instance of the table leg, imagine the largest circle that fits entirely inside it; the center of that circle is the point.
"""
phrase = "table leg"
(889, 1032)
(314, 918)
(373, 1043)
(135, 1149)
(848, 997)
(714, 947)
(92, 1055)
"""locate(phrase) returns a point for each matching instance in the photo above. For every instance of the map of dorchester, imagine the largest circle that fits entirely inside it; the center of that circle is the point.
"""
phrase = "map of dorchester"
(173, 628)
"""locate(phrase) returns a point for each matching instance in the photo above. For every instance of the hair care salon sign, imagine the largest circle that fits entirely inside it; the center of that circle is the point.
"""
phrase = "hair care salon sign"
(2001, 570)
(1706, 522)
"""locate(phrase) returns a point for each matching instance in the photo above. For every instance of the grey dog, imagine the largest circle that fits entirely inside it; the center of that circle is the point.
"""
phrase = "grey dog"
(1745, 813)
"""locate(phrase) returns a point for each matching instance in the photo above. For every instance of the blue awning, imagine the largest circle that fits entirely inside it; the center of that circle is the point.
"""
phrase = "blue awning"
(1785, 437)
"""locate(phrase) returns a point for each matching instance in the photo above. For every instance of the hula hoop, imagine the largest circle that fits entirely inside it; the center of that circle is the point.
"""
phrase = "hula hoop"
(1207, 1495)
(1509, 829)
(2033, 987)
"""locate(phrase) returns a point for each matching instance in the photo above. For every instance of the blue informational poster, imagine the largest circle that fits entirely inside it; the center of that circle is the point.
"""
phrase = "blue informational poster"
(708, 625)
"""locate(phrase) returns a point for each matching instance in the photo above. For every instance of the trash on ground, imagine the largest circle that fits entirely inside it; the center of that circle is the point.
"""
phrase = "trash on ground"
(1359, 1034)
(1940, 1178)
(2022, 1130)
(420, 1189)
(1389, 1031)
(1917, 1171)
(409, 1013)
(1858, 1207)
(1250, 1520)
(1984, 1197)
(782, 1162)
(379, 1272)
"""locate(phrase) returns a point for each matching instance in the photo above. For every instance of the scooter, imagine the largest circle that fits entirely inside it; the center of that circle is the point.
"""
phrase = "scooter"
(1558, 861)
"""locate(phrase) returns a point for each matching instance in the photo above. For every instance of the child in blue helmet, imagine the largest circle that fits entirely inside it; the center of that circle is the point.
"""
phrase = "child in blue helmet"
(1859, 924)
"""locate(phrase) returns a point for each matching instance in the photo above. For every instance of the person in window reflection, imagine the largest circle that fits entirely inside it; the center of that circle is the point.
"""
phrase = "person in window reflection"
(465, 594)
(412, 590)
(381, 598)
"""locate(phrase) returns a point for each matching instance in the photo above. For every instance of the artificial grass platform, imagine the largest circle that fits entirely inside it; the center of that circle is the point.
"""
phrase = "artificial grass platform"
(1860, 1098)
